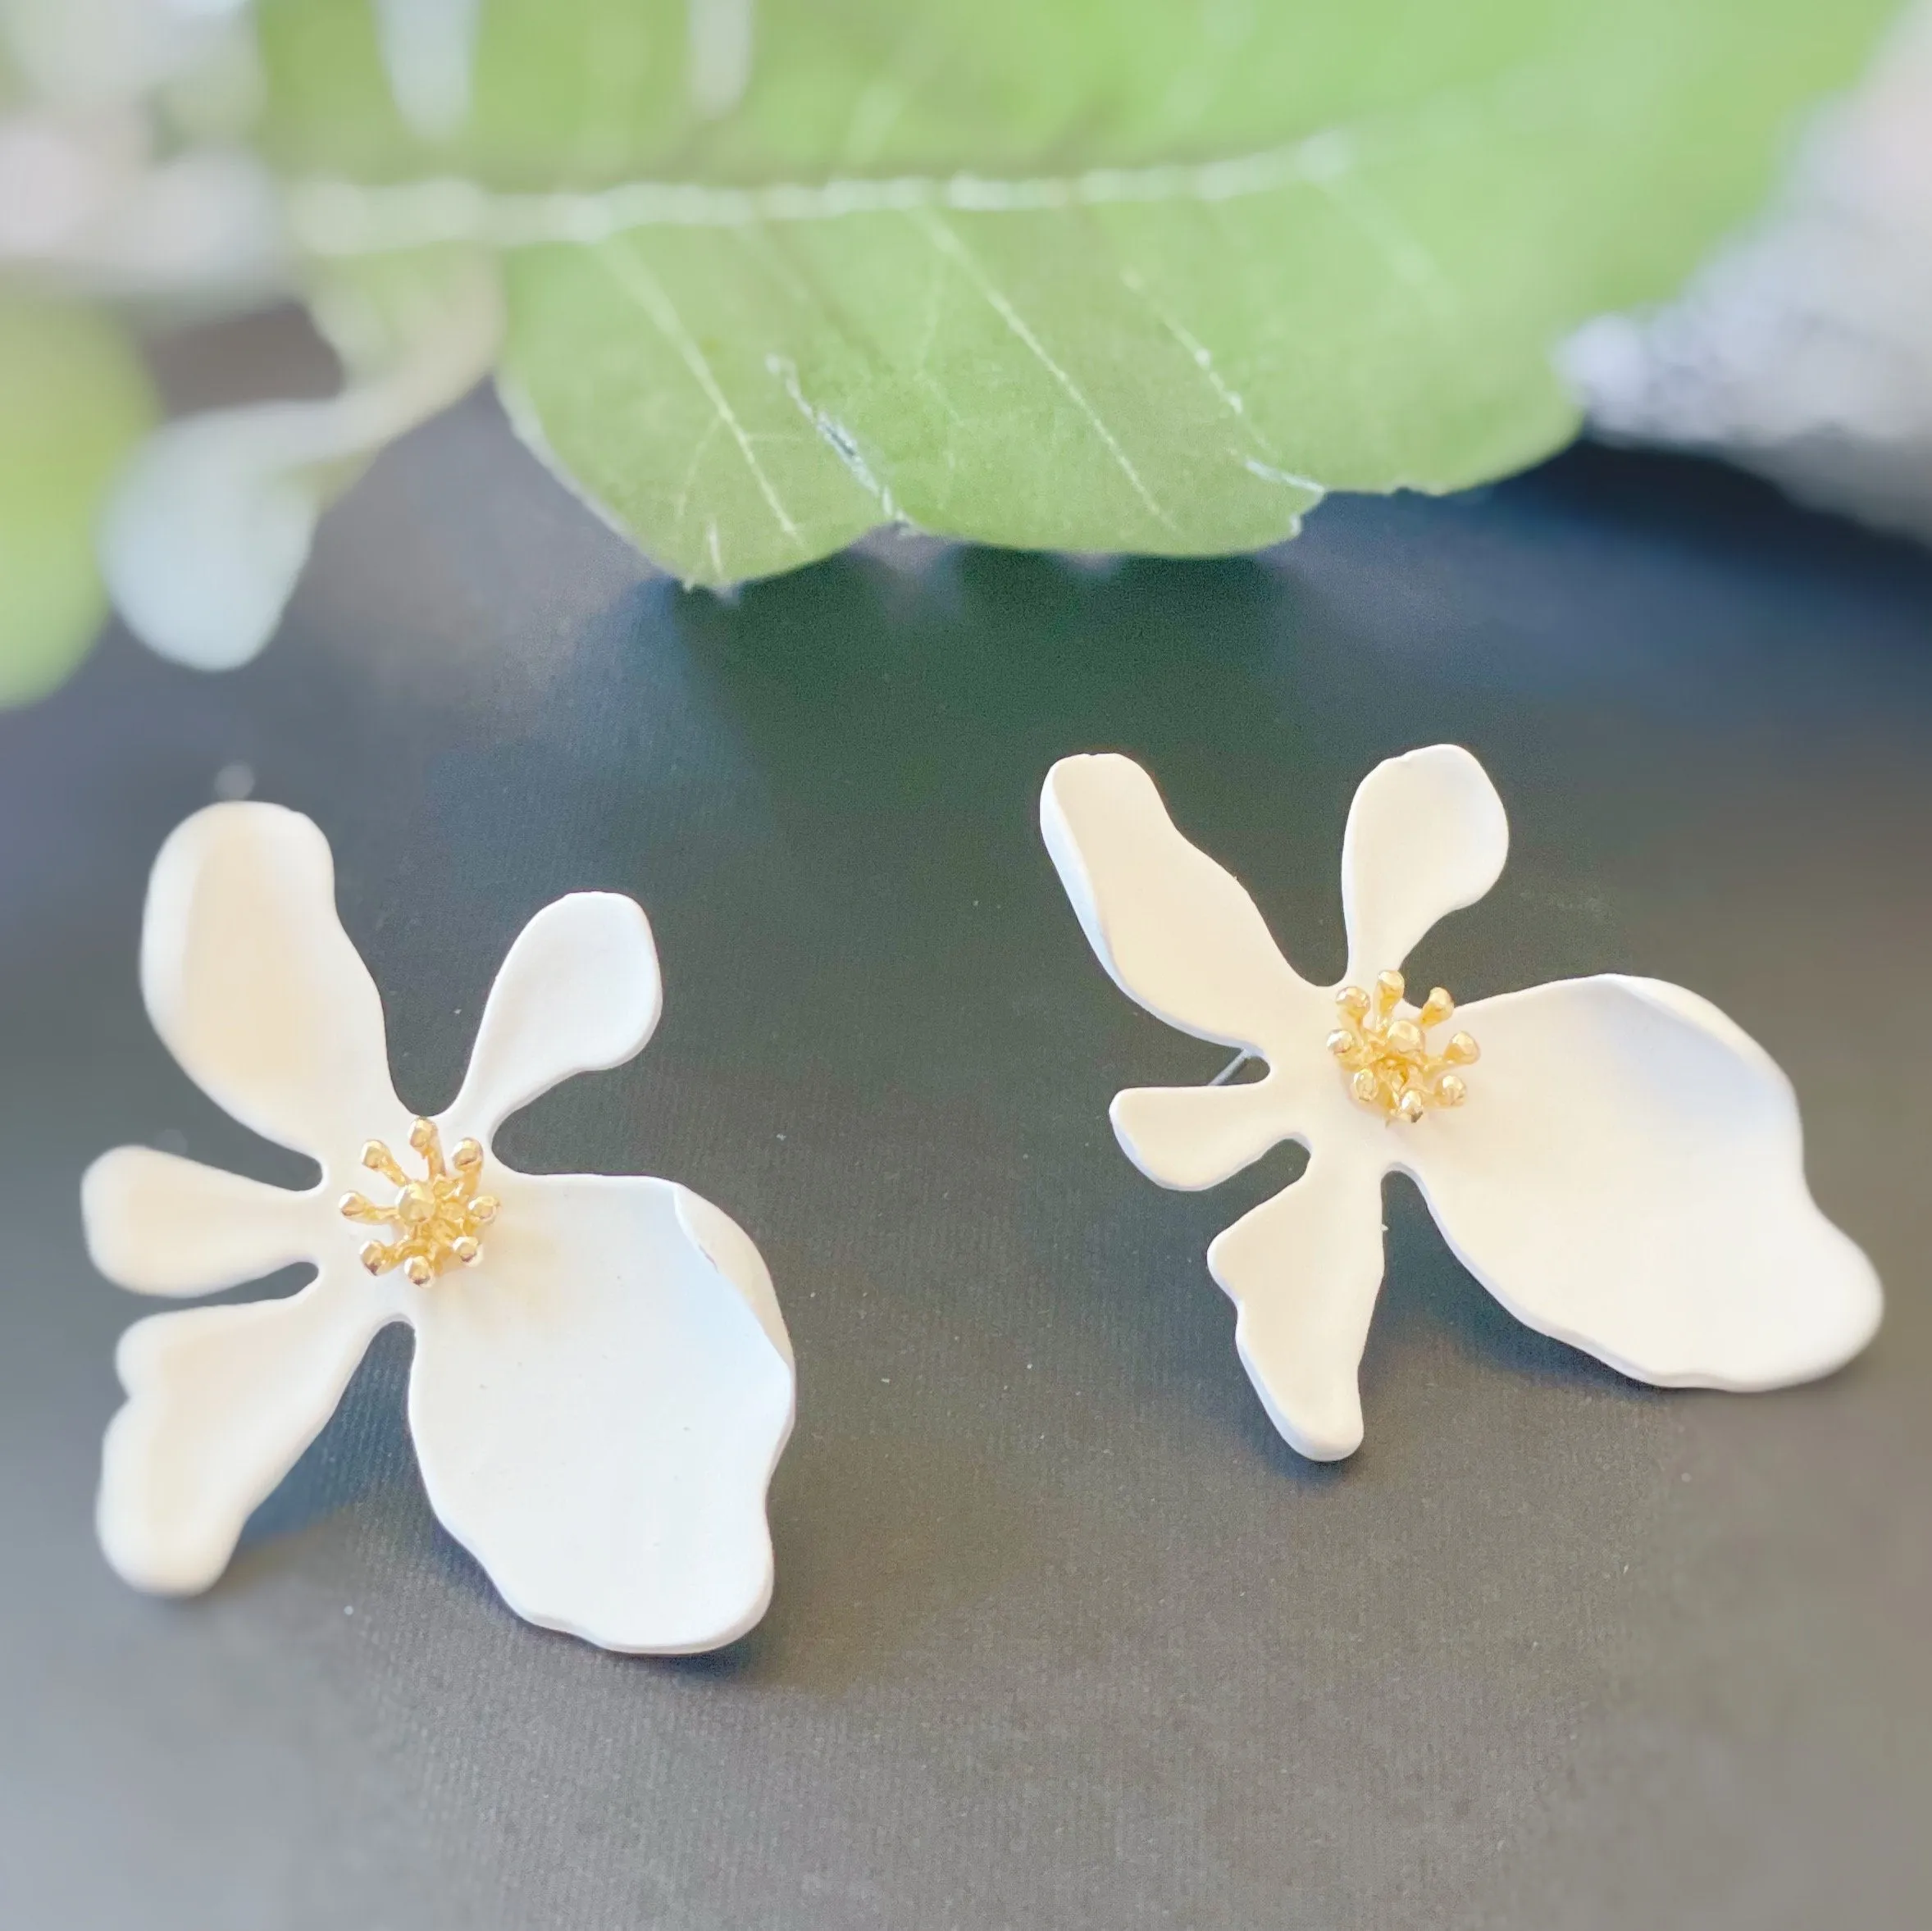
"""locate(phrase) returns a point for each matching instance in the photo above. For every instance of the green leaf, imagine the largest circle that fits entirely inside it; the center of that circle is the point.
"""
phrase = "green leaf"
(73, 401)
(1078, 274)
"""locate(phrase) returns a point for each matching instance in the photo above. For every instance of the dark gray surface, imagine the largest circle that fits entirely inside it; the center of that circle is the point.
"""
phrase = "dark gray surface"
(1064, 1639)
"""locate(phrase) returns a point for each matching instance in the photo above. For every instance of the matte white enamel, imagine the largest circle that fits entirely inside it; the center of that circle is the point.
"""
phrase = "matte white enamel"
(592, 1357)
(578, 991)
(159, 1224)
(1627, 1175)
(598, 1405)
(1649, 1206)
(255, 988)
(1177, 933)
(1192, 1137)
(1302, 1346)
(221, 1403)
(1426, 834)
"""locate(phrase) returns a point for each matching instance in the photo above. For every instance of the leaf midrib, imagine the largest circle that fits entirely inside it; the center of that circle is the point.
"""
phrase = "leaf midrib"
(336, 217)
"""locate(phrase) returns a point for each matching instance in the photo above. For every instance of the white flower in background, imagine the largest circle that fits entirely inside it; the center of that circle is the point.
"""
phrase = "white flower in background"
(602, 1381)
(125, 177)
(1803, 350)
(1612, 1157)
(123, 173)
(210, 525)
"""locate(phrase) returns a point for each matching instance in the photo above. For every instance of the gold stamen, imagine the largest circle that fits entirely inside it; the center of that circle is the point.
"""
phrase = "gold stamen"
(1383, 1051)
(436, 1219)
(378, 1160)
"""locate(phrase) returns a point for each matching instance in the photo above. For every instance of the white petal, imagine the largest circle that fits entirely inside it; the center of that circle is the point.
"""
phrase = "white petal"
(221, 1402)
(1628, 1176)
(1304, 1268)
(253, 985)
(1175, 930)
(732, 1252)
(578, 991)
(159, 1224)
(1426, 834)
(598, 1407)
(1192, 1137)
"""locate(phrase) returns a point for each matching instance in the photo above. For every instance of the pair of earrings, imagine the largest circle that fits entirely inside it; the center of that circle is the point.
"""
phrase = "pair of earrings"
(603, 1383)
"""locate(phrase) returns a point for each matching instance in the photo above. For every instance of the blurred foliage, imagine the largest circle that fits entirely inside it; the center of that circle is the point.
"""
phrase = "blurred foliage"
(1088, 274)
(74, 402)
(1213, 260)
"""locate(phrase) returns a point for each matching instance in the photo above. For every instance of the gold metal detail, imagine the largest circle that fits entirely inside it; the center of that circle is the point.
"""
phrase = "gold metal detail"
(1385, 1053)
(439, 1220)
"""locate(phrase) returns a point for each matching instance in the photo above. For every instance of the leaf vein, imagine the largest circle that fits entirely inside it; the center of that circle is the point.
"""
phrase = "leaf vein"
(949, 244)
(643, 288)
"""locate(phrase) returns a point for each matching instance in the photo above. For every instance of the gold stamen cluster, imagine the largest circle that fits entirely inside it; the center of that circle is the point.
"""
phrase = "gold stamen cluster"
(438, 1220)
(1385, 1051)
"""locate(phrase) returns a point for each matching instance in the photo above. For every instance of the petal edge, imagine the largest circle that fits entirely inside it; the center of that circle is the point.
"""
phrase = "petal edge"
(1628, 1176)
(1427, 834)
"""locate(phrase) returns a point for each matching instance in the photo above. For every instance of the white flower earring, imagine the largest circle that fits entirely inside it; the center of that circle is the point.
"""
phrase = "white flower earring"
(602, 1383)
(1612, 1157)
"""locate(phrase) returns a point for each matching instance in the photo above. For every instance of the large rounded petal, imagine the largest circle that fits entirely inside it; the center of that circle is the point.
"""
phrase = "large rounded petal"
(579, 991)
(1426, 834)
(221, 1401)
(598, 1407)
(1304, 1269)
(1175, 932)
(253, 985)
(158, 1224)
(1628, 1176)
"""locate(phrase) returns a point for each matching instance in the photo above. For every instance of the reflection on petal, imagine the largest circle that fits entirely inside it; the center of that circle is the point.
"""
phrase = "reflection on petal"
(159, 1224)
(253, 985)
(1175, 932)
(579, 991)
(598, 1408)
(1628, 1176)
(1304, 1268)
(1426, 834)
(221, 1401)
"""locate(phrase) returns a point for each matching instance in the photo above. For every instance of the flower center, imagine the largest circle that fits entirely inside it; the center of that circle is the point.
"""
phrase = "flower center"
(1385, 1050)
(437, 1220)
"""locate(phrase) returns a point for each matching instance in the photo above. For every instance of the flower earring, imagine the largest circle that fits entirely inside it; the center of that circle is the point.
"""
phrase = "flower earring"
(602, 1383)
(1612, 1157)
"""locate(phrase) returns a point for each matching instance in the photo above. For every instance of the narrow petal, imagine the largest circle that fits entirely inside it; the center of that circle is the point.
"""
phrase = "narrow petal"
(1192, 1137)
(579, 991)
(1175, 932)
(159, 1224)
(221, 1402)
(1426, 834)
(1304, 1269)
(1628, 1176)
(598, 1407)
(253, 985)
